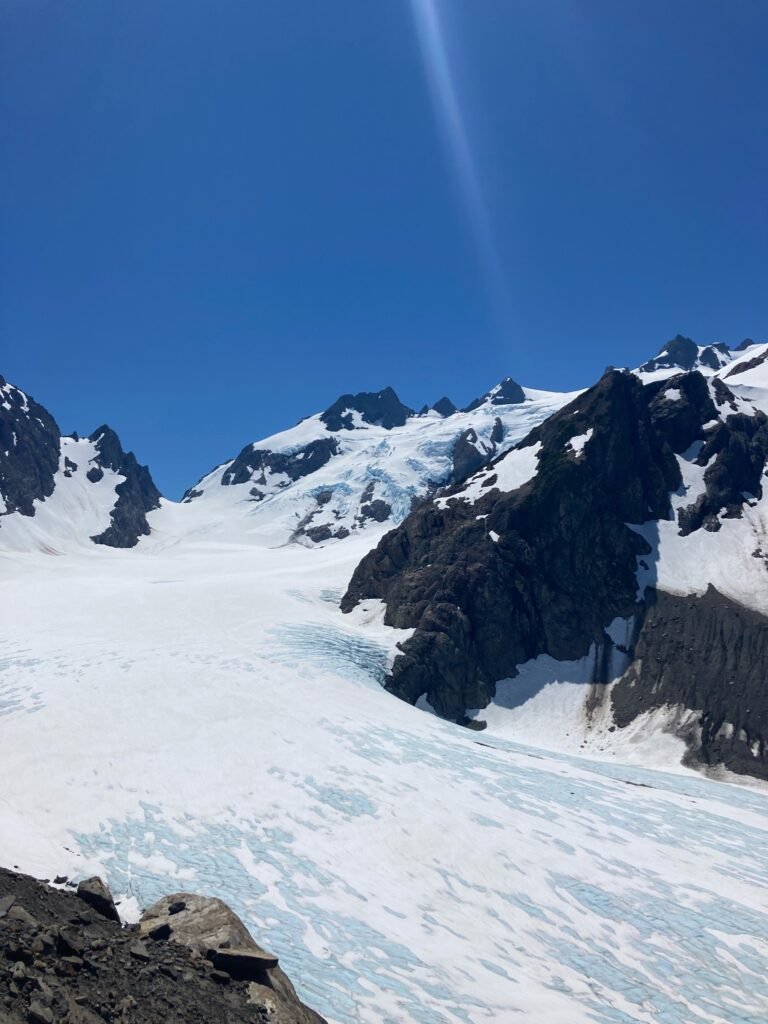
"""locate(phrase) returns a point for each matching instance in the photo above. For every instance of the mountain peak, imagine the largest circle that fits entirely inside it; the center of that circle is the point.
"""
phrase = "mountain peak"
(506, 392)
(378, 408)
(444, 406)
(681, 353)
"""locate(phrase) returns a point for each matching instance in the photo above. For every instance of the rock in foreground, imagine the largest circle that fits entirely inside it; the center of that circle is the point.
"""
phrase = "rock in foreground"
(62, 961)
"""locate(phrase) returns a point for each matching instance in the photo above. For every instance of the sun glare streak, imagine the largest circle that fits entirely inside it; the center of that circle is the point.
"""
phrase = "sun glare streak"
(452, 125)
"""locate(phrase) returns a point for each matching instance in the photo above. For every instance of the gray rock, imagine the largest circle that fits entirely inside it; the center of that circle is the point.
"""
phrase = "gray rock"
(95, 893)
(39, 1014)
(202, 923)
(210, 928)
(139, 951)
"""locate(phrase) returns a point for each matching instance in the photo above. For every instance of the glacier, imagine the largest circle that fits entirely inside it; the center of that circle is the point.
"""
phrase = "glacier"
(197, 714)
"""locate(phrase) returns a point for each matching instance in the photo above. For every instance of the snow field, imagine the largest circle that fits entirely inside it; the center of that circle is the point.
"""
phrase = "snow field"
(199, 715)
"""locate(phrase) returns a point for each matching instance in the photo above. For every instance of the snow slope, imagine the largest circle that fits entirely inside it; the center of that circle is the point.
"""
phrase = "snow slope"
(198, 714)
(394, 466)
(78, 509)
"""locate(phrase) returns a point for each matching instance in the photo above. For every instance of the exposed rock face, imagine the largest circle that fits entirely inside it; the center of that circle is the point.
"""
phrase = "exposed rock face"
(256, 464)
(684, 354)
(445, 407)
(491, 578)
(61, 961)
(562, 569)
(508, 392)
(469, 455)
(136, 494)
(680, 352)
(382, 408)
(30, 457)
(29, 451)
(93, 892)
(747, 364)
(708, 654)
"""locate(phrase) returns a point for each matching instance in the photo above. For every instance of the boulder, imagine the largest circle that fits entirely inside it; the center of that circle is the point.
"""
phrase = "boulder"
(201, 923)
(210, 928)
(95, 893)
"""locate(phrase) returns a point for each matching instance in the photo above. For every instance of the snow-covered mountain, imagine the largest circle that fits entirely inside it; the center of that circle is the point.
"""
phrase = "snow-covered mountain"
(366, 460)
(682, 353)
(198, 712)
(614, 563)
(60, 493)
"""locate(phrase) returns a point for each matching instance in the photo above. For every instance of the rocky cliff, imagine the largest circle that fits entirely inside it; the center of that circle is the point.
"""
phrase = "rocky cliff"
(537, 553)
(77, 482)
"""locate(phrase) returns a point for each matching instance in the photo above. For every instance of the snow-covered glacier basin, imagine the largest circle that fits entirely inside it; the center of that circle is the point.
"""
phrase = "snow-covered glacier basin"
(191, 717)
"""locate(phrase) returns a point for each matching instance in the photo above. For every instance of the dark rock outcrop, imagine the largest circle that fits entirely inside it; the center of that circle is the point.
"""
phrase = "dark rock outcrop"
(491, 579)
(445, 407)
(30, 446)
(136, 494)
(61, 962)
(680, 352)
(507, 392)
(562, 569)
(469, 454)
(747, 364)
(381, 408)
(253, 464)
(684, 354)
(709, 654)
(93, 892)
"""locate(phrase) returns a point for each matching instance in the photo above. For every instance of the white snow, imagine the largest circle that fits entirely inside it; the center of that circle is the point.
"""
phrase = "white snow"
(732, 559)
(516, 468)
(77, 510)
(197, 713)
(576, 444)
(401, 464)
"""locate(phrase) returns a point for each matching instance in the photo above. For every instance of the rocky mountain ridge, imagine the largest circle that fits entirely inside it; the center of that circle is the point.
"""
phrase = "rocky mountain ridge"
(89, 488)
(537, 555)
(528, 525)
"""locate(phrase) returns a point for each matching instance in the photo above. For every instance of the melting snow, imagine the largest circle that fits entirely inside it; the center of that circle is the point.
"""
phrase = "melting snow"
(227, 731)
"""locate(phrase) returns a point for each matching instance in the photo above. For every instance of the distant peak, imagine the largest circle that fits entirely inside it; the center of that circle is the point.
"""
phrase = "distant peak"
(445, 407)
(379, 408)
(506, 392)
(683, 353)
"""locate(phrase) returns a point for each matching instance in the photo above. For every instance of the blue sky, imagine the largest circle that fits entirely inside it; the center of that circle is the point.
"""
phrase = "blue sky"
(218, 216)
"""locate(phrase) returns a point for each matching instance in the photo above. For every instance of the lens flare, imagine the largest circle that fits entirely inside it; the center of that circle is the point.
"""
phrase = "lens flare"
(452, 123)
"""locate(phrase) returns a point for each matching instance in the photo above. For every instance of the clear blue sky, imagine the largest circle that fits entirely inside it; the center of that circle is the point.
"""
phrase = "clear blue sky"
(218, 216)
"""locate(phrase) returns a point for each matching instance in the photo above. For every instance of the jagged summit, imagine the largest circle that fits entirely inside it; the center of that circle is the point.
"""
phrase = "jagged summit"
(532, 557)
(444, 406)
(58, 492)
(363, 463)
(29, 451)
(683, 353)
(506, 392)
(379, 408)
